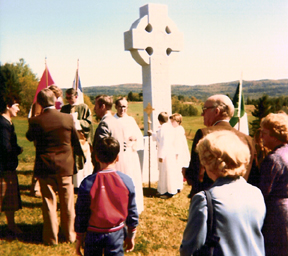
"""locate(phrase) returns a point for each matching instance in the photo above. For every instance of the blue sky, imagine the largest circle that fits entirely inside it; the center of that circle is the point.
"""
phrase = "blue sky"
(222, 39)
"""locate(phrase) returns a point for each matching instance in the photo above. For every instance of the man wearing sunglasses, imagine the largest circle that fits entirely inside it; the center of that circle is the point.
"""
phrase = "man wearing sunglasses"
(217, 111)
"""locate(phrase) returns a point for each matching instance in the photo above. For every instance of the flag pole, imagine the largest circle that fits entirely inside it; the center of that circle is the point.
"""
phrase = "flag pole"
(77, 76)
(46, 72)
(240, 101)
(149, 109)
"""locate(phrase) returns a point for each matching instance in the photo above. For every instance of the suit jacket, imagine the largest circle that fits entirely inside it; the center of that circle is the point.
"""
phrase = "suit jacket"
(55, 137)
(192, 172)
(108, 127)
(84, 117)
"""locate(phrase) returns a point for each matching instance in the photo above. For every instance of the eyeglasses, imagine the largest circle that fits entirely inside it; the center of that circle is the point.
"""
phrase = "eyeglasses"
(121, 106)
(205, 108)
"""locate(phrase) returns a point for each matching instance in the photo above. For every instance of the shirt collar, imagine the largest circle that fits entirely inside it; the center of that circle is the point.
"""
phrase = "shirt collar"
(225, 120)
(50, 107)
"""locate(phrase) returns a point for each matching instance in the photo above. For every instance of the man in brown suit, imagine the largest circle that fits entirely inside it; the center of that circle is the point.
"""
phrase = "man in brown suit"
(55, 137)
(217, 111)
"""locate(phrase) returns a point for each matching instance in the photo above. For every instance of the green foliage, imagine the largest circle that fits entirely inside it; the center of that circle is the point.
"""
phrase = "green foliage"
(251, 89)
(18, 79)
(266, 105)
(183, 109)
(133, 96)
(9, 80)
(87, 100)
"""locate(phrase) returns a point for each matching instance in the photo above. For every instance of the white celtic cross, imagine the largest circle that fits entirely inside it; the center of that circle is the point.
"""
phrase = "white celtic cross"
(153, 40)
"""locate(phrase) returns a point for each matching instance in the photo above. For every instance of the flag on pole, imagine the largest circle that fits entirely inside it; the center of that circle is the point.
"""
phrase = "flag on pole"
(77, 86)
(45, 81)
(240, 120)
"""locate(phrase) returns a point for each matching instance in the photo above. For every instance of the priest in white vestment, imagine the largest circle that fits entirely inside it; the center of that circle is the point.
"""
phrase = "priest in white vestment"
(133, 139)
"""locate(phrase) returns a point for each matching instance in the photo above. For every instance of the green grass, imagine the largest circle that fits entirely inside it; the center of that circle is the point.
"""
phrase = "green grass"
(161, 223)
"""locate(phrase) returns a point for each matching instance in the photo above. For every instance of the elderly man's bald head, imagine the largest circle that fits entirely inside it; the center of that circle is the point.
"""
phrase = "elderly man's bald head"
(216, 108)
(224, 103)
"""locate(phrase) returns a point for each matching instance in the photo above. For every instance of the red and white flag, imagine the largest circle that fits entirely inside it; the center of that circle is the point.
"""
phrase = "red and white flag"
(45, 81)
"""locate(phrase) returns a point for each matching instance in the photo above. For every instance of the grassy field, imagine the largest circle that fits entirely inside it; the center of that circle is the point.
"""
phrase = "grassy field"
(161, 224)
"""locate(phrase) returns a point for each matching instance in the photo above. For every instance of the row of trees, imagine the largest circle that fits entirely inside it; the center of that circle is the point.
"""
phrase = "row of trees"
(264, 106)
(18, 79)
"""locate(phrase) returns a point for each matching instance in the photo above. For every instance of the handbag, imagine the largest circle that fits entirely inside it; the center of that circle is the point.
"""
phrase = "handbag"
(211, 246)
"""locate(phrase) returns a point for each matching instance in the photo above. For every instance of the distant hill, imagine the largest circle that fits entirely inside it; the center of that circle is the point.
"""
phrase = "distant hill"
(251, 89)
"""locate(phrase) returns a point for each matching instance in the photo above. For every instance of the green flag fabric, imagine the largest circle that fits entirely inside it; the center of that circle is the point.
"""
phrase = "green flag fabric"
(238, 112)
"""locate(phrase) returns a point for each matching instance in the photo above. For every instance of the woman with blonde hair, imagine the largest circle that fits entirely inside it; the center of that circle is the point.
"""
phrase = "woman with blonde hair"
(274, 183)
(239, 207)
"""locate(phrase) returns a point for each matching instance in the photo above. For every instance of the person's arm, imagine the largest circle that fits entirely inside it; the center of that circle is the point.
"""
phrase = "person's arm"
(82, 210)
(5, 147)
(269, 174)
(192, 172)
(195, 233)
(77, 149)
(132, 219)
(30, 134)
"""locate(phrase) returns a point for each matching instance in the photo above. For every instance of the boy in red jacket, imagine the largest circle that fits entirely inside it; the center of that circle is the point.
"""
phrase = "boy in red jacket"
(105, 204)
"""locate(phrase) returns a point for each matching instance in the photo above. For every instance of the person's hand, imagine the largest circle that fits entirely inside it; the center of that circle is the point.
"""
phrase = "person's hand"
(149, 132)
(128, 244)
(184, 172)
(78, 247)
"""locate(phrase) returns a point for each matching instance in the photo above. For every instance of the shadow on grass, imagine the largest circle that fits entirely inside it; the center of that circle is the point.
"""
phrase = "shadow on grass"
(150, 192)
(31, 233)
(31, 205)
(25, 172)
(24, 187)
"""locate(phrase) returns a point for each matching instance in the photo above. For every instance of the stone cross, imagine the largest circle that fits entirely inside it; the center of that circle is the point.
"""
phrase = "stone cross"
(153, 40)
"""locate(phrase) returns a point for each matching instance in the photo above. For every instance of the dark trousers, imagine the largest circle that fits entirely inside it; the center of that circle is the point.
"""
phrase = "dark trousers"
(109, 243)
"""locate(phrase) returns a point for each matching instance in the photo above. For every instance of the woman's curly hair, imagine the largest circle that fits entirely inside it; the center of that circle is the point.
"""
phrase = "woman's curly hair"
(224, 153)
(277, 124)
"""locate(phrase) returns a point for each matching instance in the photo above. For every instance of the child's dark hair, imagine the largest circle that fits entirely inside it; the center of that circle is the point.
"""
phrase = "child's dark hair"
(163, 117)
(107, 149)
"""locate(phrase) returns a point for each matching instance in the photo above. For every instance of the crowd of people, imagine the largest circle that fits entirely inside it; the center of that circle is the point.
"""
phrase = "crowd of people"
(247, 179)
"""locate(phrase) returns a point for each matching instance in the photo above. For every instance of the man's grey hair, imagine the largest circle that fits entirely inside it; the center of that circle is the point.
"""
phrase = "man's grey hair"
(46, 98)
(224, 103)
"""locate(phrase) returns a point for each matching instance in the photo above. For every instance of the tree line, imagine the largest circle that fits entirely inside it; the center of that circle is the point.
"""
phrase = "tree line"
(18, 79)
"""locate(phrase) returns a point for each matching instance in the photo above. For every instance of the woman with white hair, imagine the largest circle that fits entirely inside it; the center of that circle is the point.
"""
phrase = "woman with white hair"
(274, 183)
(239, 207)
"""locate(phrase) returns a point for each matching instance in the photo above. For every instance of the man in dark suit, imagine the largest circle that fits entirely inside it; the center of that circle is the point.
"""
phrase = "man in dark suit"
(55, 137)
(217, 111)
(108, 127)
